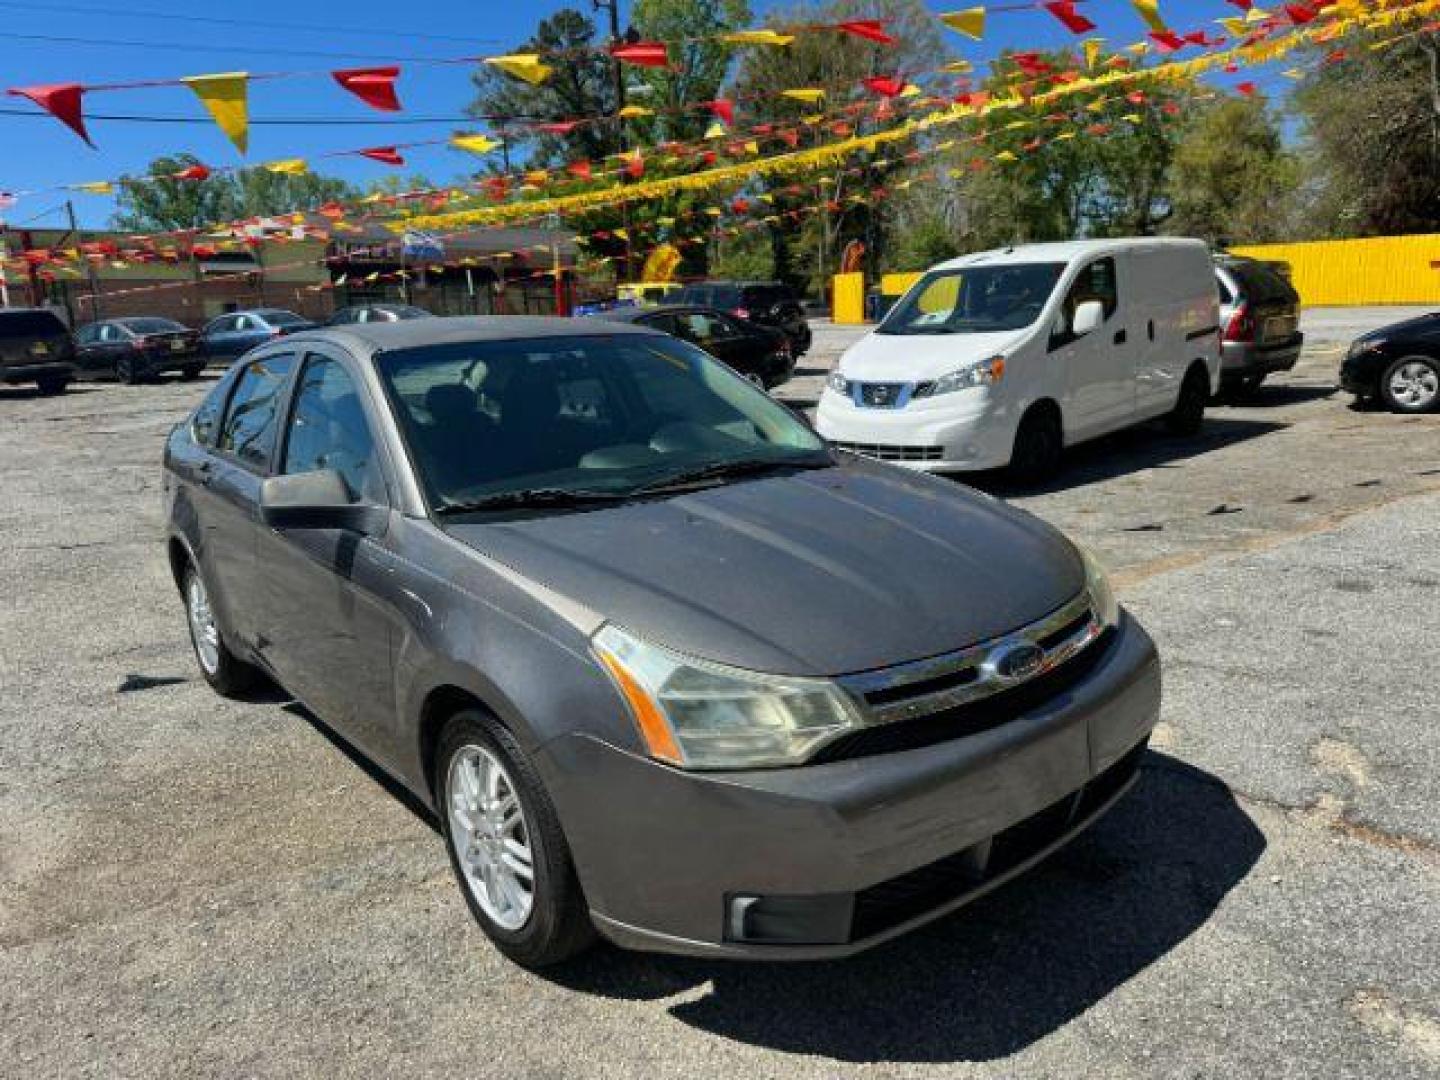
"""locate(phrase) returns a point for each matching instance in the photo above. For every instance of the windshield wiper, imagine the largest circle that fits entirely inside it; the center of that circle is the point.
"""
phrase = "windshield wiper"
(737, 467)
(530, 497)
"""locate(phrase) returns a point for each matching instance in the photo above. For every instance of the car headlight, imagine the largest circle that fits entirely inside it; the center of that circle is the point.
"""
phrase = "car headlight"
(838, 382)
(1364, 345)
(1097, 585)
(702, 715)
(985, 373)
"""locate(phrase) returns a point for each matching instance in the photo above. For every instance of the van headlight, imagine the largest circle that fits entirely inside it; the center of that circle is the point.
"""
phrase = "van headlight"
(702, 715)
(838, 382)
(1097, 586)
(985, 373)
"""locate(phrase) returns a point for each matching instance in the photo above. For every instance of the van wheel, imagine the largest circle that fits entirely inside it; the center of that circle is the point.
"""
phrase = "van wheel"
(1188, 416)
(1411, 385)
(1039, 443)
(505, 843)
(49, 387)
(191, 373)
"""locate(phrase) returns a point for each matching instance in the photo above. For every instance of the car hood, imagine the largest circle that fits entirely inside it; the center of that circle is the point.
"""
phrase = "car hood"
(918, 357)
(1422, 326)
(823, 572)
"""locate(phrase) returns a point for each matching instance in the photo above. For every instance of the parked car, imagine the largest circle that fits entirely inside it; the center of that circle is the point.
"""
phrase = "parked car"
(1003, 358)
(760, 353)
(1259, 323)
(35, 347)
(363, 313)
(136, 349)
(1397, 364)
(766, 302)
(240, 331)
(614, 614)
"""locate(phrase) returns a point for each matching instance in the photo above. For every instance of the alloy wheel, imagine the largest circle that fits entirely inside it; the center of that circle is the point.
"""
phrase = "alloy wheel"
(1414, 384)
(490, 836)
(203, 631)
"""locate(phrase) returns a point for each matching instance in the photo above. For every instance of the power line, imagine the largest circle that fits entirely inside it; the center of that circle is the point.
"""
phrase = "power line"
(192, 47)
(332, 30)
(287, 121)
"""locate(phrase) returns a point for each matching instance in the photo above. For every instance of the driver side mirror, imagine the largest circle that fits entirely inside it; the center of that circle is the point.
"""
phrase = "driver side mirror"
(317, 500)
(1089, 314)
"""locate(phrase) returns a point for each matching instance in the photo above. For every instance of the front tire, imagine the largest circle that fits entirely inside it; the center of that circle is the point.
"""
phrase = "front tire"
(49, 387)
(1039, 444)
(506, 846)
(227, 674)
(1188, 416)
(1411, 385)
(127, 371)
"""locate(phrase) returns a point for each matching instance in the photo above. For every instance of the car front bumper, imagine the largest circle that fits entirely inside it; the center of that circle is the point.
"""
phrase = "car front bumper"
(844, 855)
(962, 432)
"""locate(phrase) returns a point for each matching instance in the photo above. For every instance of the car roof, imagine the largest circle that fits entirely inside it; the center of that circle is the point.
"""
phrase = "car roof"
(633, 314)
(452, 330)
(1068, 250)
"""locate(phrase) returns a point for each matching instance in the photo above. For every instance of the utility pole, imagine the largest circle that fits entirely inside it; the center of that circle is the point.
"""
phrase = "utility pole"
(612, 7)
(89, 266)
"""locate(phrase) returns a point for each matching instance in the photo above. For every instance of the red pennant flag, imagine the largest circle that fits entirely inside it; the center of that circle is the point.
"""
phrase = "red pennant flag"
(374, 86)
(869, 29)
(333, 210)
(1167, 40)
(1246, 88)
(740, 206)
(1135, 97)
(558, 127)
(62, 101)
(790, 137)
(643, 54)
(1334, 57)
(634, 165)
(1300, 14)
(194, 172)
(709, 157)
(386, 155)
(885, 85)
(1171, 108)
(1065, 11)
(1243, 5)
(1231, 68)
(580, 169)
(723, 108)
(1030, 63)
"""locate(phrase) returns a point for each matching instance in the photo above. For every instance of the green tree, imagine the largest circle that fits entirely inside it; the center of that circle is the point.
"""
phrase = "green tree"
(699, 63)
(1371, 139)
(1232, 180)
(157, 202)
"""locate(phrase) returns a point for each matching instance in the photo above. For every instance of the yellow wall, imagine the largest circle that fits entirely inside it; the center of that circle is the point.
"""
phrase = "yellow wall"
(1381, 270)
(847, 305)
(898, 284)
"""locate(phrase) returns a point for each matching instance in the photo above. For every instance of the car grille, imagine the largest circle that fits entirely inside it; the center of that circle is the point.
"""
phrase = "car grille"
(899, 899)
(880, 395)
(962, 693)
(893, 453)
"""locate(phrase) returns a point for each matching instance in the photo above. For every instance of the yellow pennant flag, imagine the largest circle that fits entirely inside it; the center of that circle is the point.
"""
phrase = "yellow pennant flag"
(1236, 27)
(1064, 136)
(1134, 118)
(716, 130)
(1256, 14)
(621, 233)
(1091, 48)
(752, 147)
(526, 66)
(1006, 155)
(970, 22)
(96, 187)
(1149, 10)
(959, 67)
(227, 98)
(812, 118)
(1293, 73)
(287, 167)
(910, 91)
(631, 111)
(1139, 48)
(475, 144)
(809, 95)
(756, 37)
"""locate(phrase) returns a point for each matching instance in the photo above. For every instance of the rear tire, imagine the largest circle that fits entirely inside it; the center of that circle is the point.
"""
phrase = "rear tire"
(1039, 445)
(126, 371)
(1411, 385)
(51, 386)
(191, 373)
(552, 923)
(1188, 416)
(227, 674)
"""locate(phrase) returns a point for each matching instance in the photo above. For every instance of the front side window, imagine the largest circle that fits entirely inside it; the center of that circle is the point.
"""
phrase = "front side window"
(110, 333)
(88, 335)
(328, 430)
(244, 322)
(251, 421)
(974, 300)
(594, 415)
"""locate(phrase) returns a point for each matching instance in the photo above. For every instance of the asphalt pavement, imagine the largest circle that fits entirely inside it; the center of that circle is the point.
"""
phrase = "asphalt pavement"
(190, 886)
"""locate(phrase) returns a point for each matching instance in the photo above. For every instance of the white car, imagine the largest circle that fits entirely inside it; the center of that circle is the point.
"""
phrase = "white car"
(1003, 358)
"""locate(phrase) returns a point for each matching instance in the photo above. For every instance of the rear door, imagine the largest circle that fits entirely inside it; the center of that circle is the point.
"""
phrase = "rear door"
(1273, 301)
(244, 448)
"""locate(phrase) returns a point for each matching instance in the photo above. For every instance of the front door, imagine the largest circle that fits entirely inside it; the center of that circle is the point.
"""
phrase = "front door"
(326, 595)
(1096, 370)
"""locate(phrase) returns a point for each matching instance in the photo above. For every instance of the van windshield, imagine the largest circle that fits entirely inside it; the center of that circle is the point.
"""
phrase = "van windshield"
(974, 300)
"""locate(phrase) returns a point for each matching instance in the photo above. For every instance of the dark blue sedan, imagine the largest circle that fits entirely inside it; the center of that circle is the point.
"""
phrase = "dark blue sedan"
(240, 331)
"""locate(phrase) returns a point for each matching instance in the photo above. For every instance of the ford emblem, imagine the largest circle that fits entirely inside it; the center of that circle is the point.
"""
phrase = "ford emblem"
(1016, 662)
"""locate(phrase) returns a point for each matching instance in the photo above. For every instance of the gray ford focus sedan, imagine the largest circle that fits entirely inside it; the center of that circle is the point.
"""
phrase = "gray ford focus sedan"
(663, 665)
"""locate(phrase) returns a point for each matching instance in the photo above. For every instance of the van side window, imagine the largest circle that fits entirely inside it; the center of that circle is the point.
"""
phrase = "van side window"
(1096, 281)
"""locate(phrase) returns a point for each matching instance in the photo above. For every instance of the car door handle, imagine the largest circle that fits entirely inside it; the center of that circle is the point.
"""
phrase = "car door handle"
(1119, 337)
(1151, 327)
(206, 470)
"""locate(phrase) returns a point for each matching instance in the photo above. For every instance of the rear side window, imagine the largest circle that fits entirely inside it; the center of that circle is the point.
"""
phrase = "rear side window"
(1260, 284)
(250, 422)
(30, 323)
(206, 419)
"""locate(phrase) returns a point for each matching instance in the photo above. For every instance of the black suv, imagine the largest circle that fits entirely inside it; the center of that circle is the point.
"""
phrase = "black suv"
(766, 302)
(35, 347)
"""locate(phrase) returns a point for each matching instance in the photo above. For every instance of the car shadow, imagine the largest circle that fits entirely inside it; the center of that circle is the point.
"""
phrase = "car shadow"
(1001, 973)
(24, 392)
(1275, 396)
(1128, 451)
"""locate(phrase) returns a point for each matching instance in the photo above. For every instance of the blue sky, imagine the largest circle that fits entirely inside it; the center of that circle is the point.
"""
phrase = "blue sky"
(121, 44)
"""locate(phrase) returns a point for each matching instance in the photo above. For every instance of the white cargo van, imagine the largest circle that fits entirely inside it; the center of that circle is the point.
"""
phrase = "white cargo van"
(1003, 358)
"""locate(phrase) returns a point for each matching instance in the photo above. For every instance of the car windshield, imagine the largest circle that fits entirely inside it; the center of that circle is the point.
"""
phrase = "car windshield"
(280, 318)
(603, 417)
(151, 326)
(974, 300)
